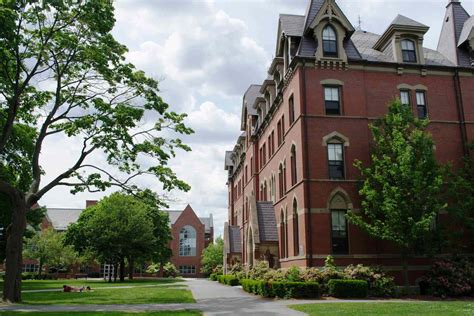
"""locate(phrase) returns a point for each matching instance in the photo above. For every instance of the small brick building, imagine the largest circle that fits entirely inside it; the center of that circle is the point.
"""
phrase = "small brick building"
(190, 235)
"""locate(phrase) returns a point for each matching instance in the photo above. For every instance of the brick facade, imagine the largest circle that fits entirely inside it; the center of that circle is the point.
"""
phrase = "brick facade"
(367, 80)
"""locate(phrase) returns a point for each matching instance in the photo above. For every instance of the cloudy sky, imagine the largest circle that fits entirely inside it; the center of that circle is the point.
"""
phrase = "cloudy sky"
(206, 53)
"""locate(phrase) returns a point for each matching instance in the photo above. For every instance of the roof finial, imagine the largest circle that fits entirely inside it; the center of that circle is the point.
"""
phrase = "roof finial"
(359, 24)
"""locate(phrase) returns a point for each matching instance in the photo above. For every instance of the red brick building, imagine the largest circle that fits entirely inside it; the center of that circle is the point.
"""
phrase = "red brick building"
(291, 177)
(191, 234)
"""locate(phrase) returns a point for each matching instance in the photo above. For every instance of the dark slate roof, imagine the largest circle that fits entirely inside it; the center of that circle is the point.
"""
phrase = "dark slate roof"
(250, 95)
(292, 25)
(364, 42)
(460, 16)
(311, 11)
(405, 21)
(234, 239)
(466, 30)
(267, 222)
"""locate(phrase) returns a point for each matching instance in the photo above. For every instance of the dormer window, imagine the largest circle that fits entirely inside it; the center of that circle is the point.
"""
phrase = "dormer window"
(329, 42)
(408, 51)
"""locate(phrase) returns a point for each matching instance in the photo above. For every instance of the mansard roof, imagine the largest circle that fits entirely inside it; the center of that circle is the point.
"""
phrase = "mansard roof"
(406, 21)
(311, 11)
(364, 42)
(292, 25)
(228, 160)
(252, 93)
(467, 30)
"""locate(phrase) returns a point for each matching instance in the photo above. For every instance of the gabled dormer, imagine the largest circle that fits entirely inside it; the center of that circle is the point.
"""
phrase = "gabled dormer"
(330, 28)
(247, 106)
(403, 40)
(268, 90)
(456, 39)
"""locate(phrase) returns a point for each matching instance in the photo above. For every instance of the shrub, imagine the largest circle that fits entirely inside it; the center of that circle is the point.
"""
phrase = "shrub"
(451, 277)
(293, 274)
(228, 280)
(274, 275)
(348, 288)
(312, 275)
(379, 283)
(295, 289)
(251, 286)
(258, 271)
(170, 271)
(213, 276)
(218, 269)
(237, 270)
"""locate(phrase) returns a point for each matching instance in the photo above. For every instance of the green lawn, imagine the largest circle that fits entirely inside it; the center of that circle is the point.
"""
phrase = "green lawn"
(161, 313)
(58, 284)
(136, 295)
(445, 308)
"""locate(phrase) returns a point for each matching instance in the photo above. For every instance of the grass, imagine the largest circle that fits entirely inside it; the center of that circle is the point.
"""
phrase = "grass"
(160, 313)
(136, 295)
(445, 308)
(58, 284)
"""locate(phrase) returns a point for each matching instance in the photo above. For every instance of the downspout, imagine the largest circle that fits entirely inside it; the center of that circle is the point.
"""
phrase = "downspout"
(307, 200)
(460, 110)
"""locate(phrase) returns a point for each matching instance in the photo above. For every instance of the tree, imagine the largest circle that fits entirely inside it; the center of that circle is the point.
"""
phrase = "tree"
(48, 249)
(116, 228)
(88, 93)
(460, 197)
(401, 187)
(212, 256)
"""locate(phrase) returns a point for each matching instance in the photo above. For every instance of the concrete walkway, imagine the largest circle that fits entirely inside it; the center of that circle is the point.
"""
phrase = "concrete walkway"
(212, 298)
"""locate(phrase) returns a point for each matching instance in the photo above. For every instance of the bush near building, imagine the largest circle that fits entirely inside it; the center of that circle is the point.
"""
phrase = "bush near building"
(348, 288)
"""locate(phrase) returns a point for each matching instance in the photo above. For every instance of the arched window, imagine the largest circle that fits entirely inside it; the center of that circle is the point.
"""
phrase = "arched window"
(282, 235)
(293, 165)
(187, 241)
(408, 51)
(246, 208)
(280, 181)
(329, 41)
(296, 236)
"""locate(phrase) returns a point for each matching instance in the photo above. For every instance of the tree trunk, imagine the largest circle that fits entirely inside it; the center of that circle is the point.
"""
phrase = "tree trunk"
(160, 273)
(406, 282)
(40, 267)
(14, 249)
(115, 271)
(122, 269)
(130, 268)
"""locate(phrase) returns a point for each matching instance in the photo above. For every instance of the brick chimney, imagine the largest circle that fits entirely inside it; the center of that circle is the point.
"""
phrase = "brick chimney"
(90, 203)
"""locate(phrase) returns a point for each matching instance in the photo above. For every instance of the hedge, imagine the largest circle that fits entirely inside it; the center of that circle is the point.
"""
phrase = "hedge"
(214, 276)
(228, 280)
(348, 288)
(281, 289)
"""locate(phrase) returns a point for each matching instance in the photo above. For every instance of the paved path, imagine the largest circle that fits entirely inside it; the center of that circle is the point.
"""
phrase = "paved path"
(211, 297)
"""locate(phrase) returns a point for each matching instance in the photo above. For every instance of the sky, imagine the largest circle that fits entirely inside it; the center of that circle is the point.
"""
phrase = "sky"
(206, 53)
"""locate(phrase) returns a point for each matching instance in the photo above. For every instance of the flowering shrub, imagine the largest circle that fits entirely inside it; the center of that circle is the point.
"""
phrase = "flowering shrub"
(293, 274)
(379, 283)
(258, 271)
(237, 270)
(274, 276)
(451, 277)
(312, 275)
(170, 271)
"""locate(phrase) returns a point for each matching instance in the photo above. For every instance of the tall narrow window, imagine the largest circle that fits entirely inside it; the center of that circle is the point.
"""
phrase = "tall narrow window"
(264, 154)
(408, 51)
(280, 181)
(279, 133)
(273, 142)
(405, 97)
(291, 109)
(336, 161)
(187, 241)
(282, 235)
(421, 104)
(283, 128)
(339, 232)
(329, 42)
(284, 177)
(332, 101)
(293, 166)
(296, 235)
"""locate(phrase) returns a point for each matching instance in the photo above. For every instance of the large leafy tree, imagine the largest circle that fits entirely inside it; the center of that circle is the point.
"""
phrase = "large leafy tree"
(47, 247)
(460, 196)
(62, 74)
(401, 187)
(212, 256)
(116, 228)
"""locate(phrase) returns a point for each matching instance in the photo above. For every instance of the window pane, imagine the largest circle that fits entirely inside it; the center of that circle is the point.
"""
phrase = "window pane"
(331, 152)
(329, 33)
(187, 241)
(420, 98)
(421, 111)
(405, 97)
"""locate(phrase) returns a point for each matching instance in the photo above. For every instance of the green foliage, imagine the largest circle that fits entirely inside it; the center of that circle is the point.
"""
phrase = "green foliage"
(258, 271)
(460, 196)
(116, 227)
(293, 274)
(348, 288)
(238, 271)
(212, 256)
(170, 270)
(214, 276)
(290, 289)
(312, 275)
(380, 285)
(451, 277)
(257, 287)
(402, 185)
(48, 249)
(228, 280)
